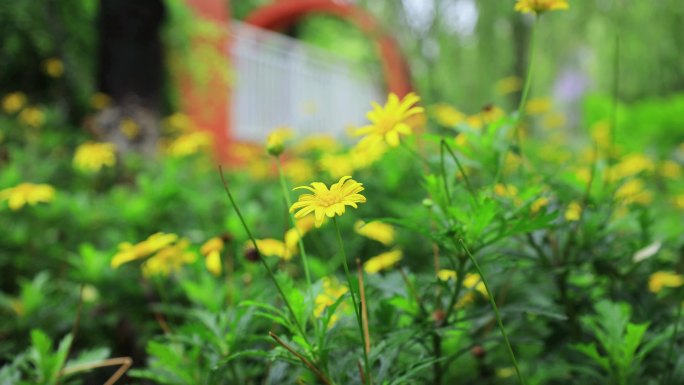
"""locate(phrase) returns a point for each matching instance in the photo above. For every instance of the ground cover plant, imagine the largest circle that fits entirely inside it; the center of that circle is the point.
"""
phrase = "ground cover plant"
(429, 247)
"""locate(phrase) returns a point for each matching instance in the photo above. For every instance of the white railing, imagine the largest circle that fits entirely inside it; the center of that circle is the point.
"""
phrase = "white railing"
(280, 81)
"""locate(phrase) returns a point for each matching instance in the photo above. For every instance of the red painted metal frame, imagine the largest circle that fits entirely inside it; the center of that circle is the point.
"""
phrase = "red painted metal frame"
(210, 110)
(208, 105)
(284, 13)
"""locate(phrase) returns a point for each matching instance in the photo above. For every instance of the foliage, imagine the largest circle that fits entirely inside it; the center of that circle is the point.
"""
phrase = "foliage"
(493, 247)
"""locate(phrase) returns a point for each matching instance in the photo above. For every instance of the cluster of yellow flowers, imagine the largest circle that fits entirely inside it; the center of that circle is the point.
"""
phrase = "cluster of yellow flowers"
(91, 157)
(27, 194)
(188, 144)
(166, 253)
(332, 290)
(472, 282)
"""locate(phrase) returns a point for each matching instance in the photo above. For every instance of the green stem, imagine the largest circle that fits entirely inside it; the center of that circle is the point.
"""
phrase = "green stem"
(305, 259)
(526, 88)
(354, 301)
(496, 312)
(414, 154)
(471, 190)
(670, 349)
(460, 276)
(443, 167)
(261, 258)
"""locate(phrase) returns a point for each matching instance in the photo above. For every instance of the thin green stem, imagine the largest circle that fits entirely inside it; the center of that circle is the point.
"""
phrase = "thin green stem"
(354, 301)
(415, 154)
(673, 341)
(443, 167)
(460, 276)
(461, 169)
(496, 311)
(528, 84)
(261, 258)
(305, 259)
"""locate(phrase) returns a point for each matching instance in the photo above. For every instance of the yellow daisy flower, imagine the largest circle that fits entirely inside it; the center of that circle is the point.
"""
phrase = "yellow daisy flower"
(53, 67)
(27, 194)
(188, 144)
(377, 231)
(32, 117)
(326, 202)
(169, 259)
(384, 261)
(269, 247)
(332, 291)
(660, 279)
(92, 156)
(573, 212)
(13, 102)
(152, 244)
(388, 122)
(540, 6)
(446, 115)
(211, 250)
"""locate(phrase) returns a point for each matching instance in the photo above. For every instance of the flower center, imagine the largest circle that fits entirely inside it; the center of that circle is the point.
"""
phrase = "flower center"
(329, 199)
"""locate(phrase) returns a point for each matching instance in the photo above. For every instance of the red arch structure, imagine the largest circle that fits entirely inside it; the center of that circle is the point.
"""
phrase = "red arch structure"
(284, 13)
(209, 112)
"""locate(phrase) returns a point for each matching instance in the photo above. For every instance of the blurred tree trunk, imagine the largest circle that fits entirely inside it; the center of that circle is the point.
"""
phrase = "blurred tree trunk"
(130, 72)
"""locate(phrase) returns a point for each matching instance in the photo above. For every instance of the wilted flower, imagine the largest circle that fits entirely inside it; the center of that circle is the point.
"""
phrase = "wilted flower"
(540, 6)
(27, 194)
(377, 231)
(384, 261)
(92, 156)
(660, 279)
(13, 102)
(388, 122)
(326, 202)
